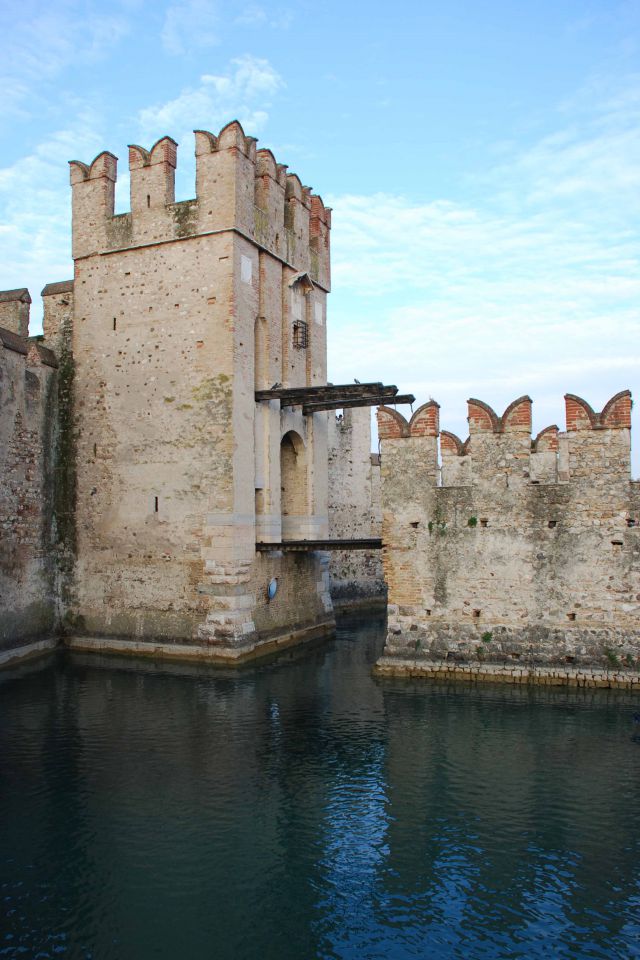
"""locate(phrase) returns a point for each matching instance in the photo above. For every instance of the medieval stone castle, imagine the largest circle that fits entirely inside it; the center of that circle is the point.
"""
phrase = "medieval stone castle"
(175, 480)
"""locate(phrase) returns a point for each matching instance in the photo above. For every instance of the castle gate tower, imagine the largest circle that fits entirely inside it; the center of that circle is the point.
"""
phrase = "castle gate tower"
(182, 311)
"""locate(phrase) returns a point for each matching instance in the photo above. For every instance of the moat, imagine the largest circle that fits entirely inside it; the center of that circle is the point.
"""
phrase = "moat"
(301, 809)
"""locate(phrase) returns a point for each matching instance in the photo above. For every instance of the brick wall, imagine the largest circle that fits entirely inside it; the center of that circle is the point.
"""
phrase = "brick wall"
(28, 421)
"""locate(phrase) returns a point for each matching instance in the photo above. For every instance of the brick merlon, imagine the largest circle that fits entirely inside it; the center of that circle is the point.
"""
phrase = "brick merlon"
(10, 296)
(63, 286)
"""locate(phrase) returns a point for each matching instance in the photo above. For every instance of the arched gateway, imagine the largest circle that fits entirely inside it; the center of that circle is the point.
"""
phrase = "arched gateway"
(294, 490)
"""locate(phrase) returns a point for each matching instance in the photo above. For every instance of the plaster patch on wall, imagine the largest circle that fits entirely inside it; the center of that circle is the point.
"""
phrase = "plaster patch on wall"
(246, 270)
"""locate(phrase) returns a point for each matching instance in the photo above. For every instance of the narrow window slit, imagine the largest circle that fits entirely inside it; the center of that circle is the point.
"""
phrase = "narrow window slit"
(148, 200)
(115, 323)
(155, 504)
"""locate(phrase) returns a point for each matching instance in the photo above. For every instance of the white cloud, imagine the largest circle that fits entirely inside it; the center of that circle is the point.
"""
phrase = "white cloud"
(594, 157)
(533, 287)
(51, 38)
(198, 24)
(245, 92)
(35, 205)
(255, 15)
(252, 16)
(35, 200)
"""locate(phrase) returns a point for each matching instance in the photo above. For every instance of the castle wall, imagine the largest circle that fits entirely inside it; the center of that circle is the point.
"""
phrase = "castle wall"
(357, 576)
(14, 311)
(181, 312)
(28, 405)
(527, 556)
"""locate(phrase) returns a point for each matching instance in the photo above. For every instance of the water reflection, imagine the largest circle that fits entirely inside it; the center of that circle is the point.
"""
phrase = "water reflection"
(301, 809)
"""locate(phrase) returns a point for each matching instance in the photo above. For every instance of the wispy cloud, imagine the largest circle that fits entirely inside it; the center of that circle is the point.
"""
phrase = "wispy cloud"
(198, 24)
(535, 287)
(245, 92)
(35, 202)
(50, 40)
(34, 191)
(190, 23)
(255, 15)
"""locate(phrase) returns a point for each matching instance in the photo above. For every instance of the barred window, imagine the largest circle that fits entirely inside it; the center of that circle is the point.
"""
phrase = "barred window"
(300, 334)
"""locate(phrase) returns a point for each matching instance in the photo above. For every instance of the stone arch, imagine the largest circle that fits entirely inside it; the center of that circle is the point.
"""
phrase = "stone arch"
(293, 485)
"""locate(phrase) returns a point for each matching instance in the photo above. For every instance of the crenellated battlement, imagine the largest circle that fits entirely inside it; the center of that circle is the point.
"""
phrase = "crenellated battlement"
(238, 187)
(425, 422)
(500, 448)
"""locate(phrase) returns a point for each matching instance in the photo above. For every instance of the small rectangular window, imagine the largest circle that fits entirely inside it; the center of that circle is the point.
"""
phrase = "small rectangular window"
(300, 334)
(155, 504)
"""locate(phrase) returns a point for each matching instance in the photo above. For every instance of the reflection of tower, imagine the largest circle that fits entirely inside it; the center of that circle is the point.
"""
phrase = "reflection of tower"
(182, 311)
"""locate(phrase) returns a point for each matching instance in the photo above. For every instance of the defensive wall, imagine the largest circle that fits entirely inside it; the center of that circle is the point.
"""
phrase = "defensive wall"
(30, 485)
(512, 558)
(355, 510)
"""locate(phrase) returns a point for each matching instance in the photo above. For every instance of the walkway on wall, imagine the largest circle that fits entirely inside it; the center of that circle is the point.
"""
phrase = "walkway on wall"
(335, 396)
(306, 546)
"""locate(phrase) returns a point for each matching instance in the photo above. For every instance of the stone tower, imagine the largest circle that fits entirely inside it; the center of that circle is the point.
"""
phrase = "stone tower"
(181, 312)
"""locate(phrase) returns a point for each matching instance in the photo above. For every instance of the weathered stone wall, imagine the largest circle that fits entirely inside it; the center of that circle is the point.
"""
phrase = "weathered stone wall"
(512, 553)
(181, 311)
(14, 311)
(356, 576)
(28, 405)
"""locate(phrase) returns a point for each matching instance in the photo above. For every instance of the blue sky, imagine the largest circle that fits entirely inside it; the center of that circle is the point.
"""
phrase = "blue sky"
(482, 160)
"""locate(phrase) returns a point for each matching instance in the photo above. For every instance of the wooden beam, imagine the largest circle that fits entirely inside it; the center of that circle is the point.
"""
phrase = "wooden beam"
(303, 394)
(309, 408)
(307, 546)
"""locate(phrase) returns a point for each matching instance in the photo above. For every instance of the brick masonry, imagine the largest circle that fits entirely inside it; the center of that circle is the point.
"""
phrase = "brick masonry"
(28, 438)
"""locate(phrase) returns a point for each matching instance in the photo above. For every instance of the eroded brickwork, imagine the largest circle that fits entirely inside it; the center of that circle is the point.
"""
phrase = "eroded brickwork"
(28, 404)
(511, 552)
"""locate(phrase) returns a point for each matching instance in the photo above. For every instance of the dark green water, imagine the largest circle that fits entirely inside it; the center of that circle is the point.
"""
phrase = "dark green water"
(302, 810)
